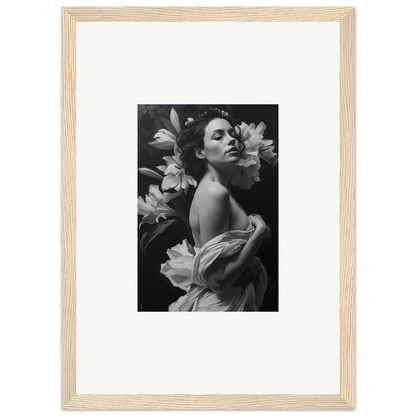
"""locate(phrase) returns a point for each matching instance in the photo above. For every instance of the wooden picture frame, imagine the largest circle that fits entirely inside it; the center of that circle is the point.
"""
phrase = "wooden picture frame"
(346, 398)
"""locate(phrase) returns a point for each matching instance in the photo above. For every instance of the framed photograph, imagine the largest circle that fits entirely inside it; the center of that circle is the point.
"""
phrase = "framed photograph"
(232, 132)
(164, 273)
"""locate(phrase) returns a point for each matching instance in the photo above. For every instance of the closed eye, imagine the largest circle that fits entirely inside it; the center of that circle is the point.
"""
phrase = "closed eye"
(218, 134)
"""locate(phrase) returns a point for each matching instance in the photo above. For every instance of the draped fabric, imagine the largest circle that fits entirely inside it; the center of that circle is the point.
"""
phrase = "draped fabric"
(186, 268)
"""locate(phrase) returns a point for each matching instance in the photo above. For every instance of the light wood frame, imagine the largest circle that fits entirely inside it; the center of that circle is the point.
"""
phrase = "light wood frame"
(346, 398)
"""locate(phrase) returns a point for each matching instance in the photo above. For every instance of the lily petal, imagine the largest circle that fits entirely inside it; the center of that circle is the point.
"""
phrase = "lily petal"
(267, 143)
(154, 191)
(191, 180)
(172, 170)
(177, 159)
(162, 144)
(260, 128)
(151, 173)
(171, 182)
(270, 158)
(142, 207)
(165, 134)
(183, 249)
(165, 140)
(168, 196)
(161, 168)
(244, 128)
(169, 160)
(151, 200)
(175, 120)
(184, 185)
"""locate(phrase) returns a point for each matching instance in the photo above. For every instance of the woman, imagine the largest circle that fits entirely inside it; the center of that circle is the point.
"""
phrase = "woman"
(224, 274)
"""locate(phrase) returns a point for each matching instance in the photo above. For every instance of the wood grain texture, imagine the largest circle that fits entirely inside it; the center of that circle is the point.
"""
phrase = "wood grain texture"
(70, 400)
(201, 14)
(347, 209)
(68, 208)
(209, 401)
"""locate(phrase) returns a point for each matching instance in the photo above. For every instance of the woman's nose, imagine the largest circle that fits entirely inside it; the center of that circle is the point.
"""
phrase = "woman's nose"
(231, 140)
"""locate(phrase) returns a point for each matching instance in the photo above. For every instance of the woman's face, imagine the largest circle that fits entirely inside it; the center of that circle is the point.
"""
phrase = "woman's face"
(221, 147)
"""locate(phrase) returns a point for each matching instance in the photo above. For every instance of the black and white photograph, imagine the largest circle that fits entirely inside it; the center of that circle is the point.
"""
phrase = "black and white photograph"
(208, 208)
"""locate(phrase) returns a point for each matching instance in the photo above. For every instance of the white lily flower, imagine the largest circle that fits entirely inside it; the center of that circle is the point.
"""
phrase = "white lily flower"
(151, 173)
(247, 170)
(175, 176)
(183, 249)
(178, 269)
(165, 140)
(254, 143)
(154, 206)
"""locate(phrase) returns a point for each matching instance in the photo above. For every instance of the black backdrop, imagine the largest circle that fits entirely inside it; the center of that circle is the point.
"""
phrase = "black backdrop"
(155, 292)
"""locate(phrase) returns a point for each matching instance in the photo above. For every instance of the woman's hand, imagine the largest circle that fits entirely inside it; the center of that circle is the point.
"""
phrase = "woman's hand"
(262, 229)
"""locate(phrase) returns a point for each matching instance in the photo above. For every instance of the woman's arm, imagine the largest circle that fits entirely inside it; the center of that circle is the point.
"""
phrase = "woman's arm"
(214, 218)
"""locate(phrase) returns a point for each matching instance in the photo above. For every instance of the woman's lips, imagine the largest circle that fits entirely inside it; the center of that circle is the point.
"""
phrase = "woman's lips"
(233, 149)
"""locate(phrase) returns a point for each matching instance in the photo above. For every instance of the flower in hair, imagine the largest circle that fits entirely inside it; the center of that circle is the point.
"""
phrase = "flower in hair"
(254, 143)
(190, 120)
(247, 170)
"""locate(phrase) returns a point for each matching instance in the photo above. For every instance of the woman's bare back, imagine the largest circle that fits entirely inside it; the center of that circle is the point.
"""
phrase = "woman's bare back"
(237, 218)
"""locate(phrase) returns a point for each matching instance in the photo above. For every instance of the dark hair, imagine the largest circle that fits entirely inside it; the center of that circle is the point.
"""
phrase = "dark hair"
(192, 135)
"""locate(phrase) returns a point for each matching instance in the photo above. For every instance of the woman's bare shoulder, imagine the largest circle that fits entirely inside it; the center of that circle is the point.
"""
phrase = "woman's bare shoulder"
(212, 193)
(216, 190)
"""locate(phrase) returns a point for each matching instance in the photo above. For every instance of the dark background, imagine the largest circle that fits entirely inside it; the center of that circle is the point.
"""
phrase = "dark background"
(155, 292)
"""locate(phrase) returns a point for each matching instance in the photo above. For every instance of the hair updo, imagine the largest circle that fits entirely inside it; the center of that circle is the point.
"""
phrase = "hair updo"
(192, 135)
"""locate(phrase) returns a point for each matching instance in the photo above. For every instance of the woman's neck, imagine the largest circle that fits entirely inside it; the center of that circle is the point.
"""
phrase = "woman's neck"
(219, 175)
